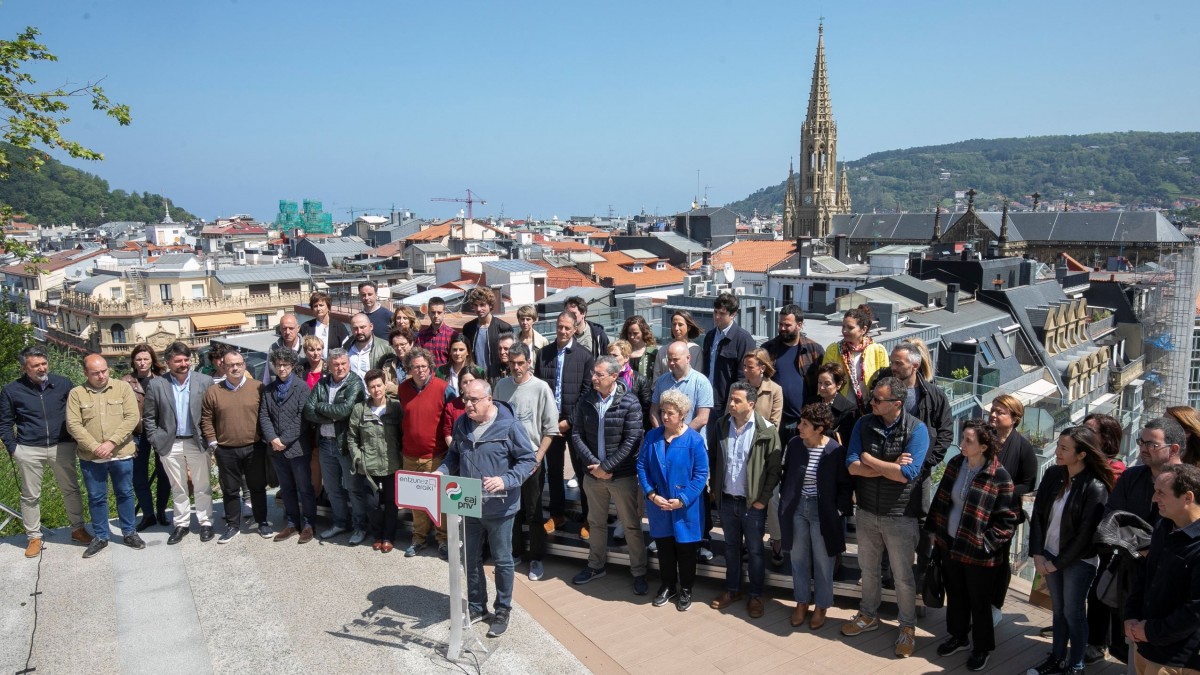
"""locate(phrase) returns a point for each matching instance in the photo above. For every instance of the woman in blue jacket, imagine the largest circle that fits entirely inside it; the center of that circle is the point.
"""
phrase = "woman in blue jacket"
(673, 469)
(814, 495)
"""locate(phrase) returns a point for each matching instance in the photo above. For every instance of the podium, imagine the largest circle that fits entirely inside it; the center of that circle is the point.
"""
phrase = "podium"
(457, 498)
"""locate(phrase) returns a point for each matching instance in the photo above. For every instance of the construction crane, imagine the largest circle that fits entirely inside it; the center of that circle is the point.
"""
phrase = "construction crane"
(361, 209)
(470, 200)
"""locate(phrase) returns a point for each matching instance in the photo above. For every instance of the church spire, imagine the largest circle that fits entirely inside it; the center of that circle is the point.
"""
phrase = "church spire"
(843, 191)
(790, 200)
(819, 107)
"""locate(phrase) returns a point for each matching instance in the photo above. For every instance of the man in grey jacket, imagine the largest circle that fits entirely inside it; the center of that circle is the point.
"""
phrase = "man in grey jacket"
(489, 443)
(171, 420)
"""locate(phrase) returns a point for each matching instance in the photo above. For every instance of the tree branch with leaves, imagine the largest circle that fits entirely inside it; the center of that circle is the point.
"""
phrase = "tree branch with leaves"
(33, 118)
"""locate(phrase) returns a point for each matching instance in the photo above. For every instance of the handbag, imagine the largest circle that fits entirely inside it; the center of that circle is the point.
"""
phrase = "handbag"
(933, 589)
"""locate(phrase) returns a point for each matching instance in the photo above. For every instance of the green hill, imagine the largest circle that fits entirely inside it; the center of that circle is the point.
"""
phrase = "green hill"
(1132, 168)
(59, 194)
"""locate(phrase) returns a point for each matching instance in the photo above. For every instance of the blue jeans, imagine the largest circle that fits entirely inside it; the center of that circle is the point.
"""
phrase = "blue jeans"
(1068, 591)
(95, 479)
(898, 536)
(743, 521)
(334, 480)
(149, 504)
(350, 496)
(499, 535)
(809, 559)
(295, 485)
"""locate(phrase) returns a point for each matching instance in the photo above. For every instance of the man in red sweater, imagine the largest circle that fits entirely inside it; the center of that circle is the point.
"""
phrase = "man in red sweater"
(423, 397)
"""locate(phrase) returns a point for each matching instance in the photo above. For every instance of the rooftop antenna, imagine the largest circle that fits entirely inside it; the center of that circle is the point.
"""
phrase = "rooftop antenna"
(696, 199)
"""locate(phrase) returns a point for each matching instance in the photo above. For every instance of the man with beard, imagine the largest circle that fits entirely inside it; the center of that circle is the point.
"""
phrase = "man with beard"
(436, 336)
(364, 349)
(33, 425)
(380, 317)
(796, 360)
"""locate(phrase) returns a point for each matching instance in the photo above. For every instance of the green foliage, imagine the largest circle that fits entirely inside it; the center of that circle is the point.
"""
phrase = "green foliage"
(1136, 168)
(13, 338)
(960, 373)
(60, 195)
(32, 119)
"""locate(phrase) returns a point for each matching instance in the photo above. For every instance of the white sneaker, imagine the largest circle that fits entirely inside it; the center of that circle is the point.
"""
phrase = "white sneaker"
(705, 554)
(535, 570)
(572, 483)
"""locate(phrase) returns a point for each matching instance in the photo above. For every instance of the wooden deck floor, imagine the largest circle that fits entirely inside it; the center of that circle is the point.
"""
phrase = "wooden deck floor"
(611, 630)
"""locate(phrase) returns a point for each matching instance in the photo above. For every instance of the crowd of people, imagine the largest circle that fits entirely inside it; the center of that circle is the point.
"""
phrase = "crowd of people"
(783, 442)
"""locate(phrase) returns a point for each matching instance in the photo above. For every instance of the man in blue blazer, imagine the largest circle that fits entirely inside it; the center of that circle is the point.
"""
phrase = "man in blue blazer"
(171, 420)
(724, 348)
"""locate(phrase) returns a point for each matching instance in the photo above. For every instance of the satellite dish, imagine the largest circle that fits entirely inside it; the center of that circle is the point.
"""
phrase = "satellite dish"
(727, 272)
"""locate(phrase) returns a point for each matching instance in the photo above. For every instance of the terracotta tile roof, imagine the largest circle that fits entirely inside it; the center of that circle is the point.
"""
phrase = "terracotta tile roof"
(1074, 265)
(582, 229)
(564, 246)
(387, 250)
(432, 233)
(564, 277)
(53, 262)
(752, 255)
(616, 272)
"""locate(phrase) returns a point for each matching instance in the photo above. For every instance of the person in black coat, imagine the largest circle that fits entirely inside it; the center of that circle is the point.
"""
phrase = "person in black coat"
(485, 350)
(1069, 506)
(830, 378)
(1019, 459)
(723, 350)
(333, 333)
(639, 386)
(568, 389)
(812, 505)
(289, 440)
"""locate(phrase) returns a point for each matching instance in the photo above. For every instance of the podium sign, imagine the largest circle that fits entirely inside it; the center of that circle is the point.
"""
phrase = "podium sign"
(419, 491)
(462, 496)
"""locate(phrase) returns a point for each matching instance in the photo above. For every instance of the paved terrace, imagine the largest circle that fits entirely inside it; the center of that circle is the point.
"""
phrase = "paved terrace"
(257, 606)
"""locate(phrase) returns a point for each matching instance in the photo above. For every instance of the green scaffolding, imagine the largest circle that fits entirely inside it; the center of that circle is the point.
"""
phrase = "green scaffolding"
(312, 218)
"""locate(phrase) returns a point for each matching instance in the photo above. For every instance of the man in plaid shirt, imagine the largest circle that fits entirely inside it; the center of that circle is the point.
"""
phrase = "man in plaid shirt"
(436, 336)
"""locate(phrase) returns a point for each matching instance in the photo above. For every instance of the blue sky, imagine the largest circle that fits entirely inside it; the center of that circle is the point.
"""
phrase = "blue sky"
(566, 108)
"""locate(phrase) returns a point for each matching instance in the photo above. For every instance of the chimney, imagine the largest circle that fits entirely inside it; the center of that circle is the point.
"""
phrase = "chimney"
(951, 298)
(841, 248)
(498, 304)
(631, 228)
(804, 251)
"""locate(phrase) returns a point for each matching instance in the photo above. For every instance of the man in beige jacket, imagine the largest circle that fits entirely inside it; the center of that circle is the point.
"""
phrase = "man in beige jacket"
(101, 415)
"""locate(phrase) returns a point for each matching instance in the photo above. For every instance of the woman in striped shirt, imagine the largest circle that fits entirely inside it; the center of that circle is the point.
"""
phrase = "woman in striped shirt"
(814, 496)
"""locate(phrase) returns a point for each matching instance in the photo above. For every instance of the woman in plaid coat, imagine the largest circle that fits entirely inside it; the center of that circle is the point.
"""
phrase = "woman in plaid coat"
(971, 520)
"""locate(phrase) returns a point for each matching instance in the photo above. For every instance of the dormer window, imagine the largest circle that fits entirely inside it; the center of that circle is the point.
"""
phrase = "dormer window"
(660, 266)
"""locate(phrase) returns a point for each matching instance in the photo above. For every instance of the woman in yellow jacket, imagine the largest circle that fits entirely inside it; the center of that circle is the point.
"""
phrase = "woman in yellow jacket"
(861, 357)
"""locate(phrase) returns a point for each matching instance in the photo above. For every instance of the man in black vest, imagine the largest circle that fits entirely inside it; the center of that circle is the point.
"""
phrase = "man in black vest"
(886, 453)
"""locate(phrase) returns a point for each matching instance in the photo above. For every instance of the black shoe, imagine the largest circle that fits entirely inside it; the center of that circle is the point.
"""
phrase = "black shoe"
(953, 646)
(177, 535)
(95, 547)
(134, 541)
(1051, 666)
(499, 623)
(685, 600)
(1093, 654)
(978, 660)
(663, 596)
(1046, 631)
(162, 518)
(640, 587)
(206, 533)
(148, 521)
(230, 533)
(478, 615)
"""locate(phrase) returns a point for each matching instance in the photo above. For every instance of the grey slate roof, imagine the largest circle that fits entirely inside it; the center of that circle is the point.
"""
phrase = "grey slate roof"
(1047, 226)
(678, 242)
(90, 284)
(259, 274)
(175, 259)
(340, 246)
(512, 266)
(431, 249)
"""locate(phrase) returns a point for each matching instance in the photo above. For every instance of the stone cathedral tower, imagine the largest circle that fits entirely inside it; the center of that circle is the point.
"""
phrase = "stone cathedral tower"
(816, 194)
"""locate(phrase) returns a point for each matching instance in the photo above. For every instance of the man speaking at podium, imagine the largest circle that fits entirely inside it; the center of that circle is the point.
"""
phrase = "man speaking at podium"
(489, 443)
